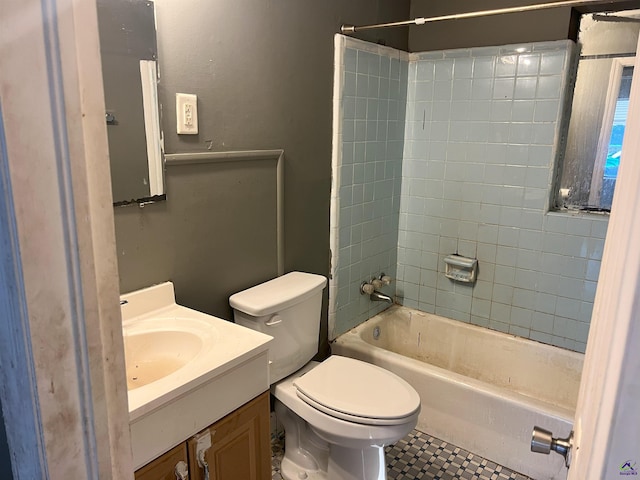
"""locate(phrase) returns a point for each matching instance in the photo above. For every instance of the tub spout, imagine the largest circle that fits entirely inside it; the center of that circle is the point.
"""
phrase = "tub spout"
(377, 296)
(374, 295)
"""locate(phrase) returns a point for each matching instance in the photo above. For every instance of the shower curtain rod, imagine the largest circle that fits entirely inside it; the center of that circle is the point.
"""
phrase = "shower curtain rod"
(481, 13)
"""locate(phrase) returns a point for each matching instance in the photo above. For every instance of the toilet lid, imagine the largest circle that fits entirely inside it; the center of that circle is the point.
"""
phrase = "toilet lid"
(357, 391)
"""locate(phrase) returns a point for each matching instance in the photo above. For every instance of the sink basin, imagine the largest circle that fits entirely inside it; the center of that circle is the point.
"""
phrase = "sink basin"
(159, 347)
(185, 369)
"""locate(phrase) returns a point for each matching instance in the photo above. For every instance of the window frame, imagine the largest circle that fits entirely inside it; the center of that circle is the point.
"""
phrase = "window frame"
(615, 78)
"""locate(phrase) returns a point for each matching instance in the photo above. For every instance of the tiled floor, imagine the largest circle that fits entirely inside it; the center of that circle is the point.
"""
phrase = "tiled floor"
(421, 456)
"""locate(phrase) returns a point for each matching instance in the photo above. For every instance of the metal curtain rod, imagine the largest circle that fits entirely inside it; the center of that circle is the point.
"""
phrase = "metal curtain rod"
(481, 13)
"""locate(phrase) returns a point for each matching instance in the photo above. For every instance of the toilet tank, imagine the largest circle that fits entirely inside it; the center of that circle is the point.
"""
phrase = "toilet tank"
(287, 308)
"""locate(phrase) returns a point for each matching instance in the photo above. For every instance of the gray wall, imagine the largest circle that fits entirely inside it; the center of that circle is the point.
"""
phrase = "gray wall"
(538, 26)
(543, 25)
(263, 73)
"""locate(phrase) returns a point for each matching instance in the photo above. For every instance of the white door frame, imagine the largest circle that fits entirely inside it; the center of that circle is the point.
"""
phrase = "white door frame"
(62, 383)
(607, 422)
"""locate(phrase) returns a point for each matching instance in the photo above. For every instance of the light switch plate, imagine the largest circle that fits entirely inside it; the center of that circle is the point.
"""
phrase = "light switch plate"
(187, 114)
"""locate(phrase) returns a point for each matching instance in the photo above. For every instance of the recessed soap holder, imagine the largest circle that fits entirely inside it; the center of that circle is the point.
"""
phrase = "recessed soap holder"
(460, 269)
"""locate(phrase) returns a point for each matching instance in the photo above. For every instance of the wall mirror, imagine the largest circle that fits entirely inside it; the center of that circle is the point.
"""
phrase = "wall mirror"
(130, 74)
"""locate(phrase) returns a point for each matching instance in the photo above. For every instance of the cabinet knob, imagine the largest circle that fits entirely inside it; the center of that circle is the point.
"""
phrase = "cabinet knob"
(181, 471)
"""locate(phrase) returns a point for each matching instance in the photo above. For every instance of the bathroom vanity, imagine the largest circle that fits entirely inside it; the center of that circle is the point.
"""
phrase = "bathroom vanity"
(239, 449)
(198, 388)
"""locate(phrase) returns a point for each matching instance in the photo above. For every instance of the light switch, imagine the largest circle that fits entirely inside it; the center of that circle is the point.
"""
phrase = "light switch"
(187, 113)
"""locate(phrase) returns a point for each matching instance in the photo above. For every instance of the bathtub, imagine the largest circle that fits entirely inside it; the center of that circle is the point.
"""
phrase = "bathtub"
(481, 390)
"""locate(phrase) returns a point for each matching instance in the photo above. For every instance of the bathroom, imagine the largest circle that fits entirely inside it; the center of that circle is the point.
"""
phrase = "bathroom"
(283, 102)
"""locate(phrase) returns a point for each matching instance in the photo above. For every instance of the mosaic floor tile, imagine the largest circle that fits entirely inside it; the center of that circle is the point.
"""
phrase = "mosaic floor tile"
(421, 456)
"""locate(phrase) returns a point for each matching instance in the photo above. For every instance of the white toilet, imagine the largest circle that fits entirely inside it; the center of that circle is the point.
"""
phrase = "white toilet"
(339, 414)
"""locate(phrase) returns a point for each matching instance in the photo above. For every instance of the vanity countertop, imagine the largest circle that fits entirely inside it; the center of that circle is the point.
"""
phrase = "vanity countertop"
(221, 366)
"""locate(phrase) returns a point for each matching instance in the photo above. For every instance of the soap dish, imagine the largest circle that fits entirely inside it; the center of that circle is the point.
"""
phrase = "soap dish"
(460, 269)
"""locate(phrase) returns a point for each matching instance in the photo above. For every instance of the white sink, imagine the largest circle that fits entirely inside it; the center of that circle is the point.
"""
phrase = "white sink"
(157, 347)
(185, 369)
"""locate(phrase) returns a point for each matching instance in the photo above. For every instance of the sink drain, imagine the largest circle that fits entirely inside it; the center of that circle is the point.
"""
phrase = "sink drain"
(376, 333)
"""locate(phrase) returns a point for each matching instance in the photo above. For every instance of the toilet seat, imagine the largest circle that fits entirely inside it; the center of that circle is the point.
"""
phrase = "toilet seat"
(358, 392)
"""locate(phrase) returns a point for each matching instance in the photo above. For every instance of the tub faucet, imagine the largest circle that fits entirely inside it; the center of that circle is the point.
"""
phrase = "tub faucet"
(377, 296)
(374, 295)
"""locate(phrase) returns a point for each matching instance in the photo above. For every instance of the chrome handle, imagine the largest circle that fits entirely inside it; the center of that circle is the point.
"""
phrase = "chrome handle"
(542, 441)
(366, 288)
(275, 320)
(181, 471)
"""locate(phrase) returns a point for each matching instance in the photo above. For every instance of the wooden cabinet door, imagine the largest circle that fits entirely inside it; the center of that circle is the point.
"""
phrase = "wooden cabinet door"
(163, 468)
(240, 445)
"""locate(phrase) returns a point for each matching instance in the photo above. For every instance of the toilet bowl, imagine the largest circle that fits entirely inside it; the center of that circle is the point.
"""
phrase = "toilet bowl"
(352, 444)
(339, 414)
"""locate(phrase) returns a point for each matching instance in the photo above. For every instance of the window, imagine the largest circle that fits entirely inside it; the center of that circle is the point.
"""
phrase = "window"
(609, 153)
(594, 132)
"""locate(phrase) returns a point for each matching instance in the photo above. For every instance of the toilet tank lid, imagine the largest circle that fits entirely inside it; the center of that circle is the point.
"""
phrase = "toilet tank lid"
(277, 294)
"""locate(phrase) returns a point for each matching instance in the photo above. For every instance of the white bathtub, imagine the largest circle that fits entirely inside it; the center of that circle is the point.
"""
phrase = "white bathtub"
(481, 390)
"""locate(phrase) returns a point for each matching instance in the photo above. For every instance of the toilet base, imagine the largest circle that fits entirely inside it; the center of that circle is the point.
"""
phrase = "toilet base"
(307, 456)
(357, 464)
(346, 465)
